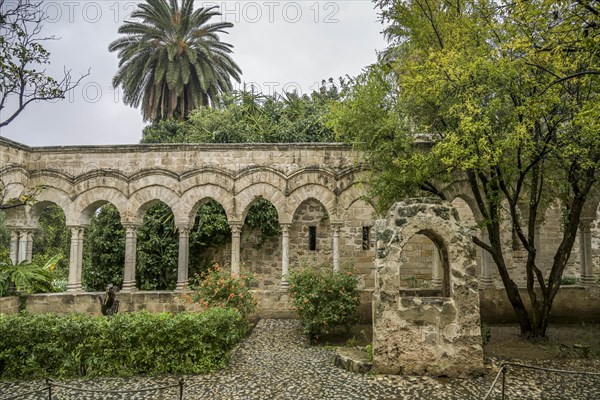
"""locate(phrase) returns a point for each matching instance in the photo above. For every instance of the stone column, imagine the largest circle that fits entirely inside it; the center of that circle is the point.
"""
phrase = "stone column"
(437, 273)
(336, 246)
(236, 233)
(486, 263)
(75, 259)
(29, 241)
(22, 248)
(285, 253)
(182, 264)
(585, 251)
(14, 247)
(130, 258)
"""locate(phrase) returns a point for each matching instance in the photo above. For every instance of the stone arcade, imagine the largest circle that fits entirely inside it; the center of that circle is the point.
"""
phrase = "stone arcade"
(319, 194)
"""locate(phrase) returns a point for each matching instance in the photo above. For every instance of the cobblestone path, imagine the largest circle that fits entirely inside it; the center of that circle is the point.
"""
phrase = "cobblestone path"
(275, 363)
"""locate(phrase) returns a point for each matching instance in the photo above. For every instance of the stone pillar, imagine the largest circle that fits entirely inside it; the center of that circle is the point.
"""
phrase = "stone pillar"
(14, 247)
(585, 251)
(437, 273)
(75, 259)
(285, 253)
(236, 233)
(183, 260)
(29, 241)
(336, 246)
(486, 263)
(23, 246)
(130, 258)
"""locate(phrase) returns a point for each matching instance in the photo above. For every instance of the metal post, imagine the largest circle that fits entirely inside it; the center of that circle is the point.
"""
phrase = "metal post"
(49, 388)
(503, 380)
(181, 383)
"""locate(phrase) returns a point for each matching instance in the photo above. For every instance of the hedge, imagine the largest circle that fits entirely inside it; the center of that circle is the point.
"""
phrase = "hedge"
(75, 345)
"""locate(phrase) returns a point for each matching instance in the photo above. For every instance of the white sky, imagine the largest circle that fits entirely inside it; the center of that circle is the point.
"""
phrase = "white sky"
(277, 44)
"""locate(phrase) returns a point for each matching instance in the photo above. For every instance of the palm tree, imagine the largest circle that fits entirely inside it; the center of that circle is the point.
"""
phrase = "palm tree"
(171, 59)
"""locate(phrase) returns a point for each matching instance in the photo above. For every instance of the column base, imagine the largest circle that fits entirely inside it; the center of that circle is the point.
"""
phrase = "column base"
(284, 284)
(129, 287)
(588, 280)
(436, 283)
(74, 288)
(181, 286)
(486, 283)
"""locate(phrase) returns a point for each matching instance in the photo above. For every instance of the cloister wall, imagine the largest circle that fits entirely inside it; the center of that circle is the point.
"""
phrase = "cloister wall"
(309, 184)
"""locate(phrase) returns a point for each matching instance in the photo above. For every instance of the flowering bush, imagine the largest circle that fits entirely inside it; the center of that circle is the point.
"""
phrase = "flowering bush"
(219, 288)
(324, 299)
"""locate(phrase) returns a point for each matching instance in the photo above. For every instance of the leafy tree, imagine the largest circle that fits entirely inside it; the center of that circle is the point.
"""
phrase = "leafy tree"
(104, 250)
(171, 59)
(506, 96)
(210, 230)
(248, 117)
(158, 247)
(23, 79)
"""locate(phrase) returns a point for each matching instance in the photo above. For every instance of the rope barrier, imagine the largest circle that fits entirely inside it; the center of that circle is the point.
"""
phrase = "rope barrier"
(51, 383)
(504, 369)
(25, 394)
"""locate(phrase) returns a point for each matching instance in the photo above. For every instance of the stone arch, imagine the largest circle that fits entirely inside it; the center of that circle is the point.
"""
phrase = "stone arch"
(352, 194)
(51, 195)
(249, 195)
(320, 193)
(197, 196)
(401, 318)
(86, 204)
(258, 175)
(145, 198)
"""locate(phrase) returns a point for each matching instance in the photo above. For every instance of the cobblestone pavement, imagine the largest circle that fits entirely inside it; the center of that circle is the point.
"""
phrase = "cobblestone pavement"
(275, 363)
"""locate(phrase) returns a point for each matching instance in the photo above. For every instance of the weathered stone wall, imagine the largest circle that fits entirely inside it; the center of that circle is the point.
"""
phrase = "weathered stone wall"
(573, 304)
(420, 332)
(9, 305)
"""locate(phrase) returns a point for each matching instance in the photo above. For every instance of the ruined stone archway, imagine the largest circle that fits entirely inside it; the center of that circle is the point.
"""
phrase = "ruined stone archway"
(420, 332)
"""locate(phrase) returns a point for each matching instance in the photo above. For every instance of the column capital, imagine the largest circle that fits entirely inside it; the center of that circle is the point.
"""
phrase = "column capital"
(285, 226)
(584, 223)
(236, 227)
(183, 229)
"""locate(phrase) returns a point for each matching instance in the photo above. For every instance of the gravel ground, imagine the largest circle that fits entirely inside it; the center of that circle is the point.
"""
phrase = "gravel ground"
(274, 362)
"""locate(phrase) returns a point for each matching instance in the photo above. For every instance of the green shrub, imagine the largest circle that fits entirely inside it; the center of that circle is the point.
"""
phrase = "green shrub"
(27, 276)
(125, 344)
(325, 300)
(220, 288)
(569, 280)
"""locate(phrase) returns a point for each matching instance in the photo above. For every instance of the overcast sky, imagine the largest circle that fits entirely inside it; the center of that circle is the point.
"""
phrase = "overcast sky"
(277, 44)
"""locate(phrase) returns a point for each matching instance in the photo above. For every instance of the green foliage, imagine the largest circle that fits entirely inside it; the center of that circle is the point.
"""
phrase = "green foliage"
(104, 250)
(158, 247)
(27, 276)
(219, 288)
(211, 229)
(369, 351)
(569, 280)
(171, 59)
(324, 299)
(247, 117)
(52, 238)
(36, 346)
(4, 239)
(262, 215)
(503, 95)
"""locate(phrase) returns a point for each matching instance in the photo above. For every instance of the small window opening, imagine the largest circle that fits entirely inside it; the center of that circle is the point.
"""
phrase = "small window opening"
(366, 238)
(312, 238)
